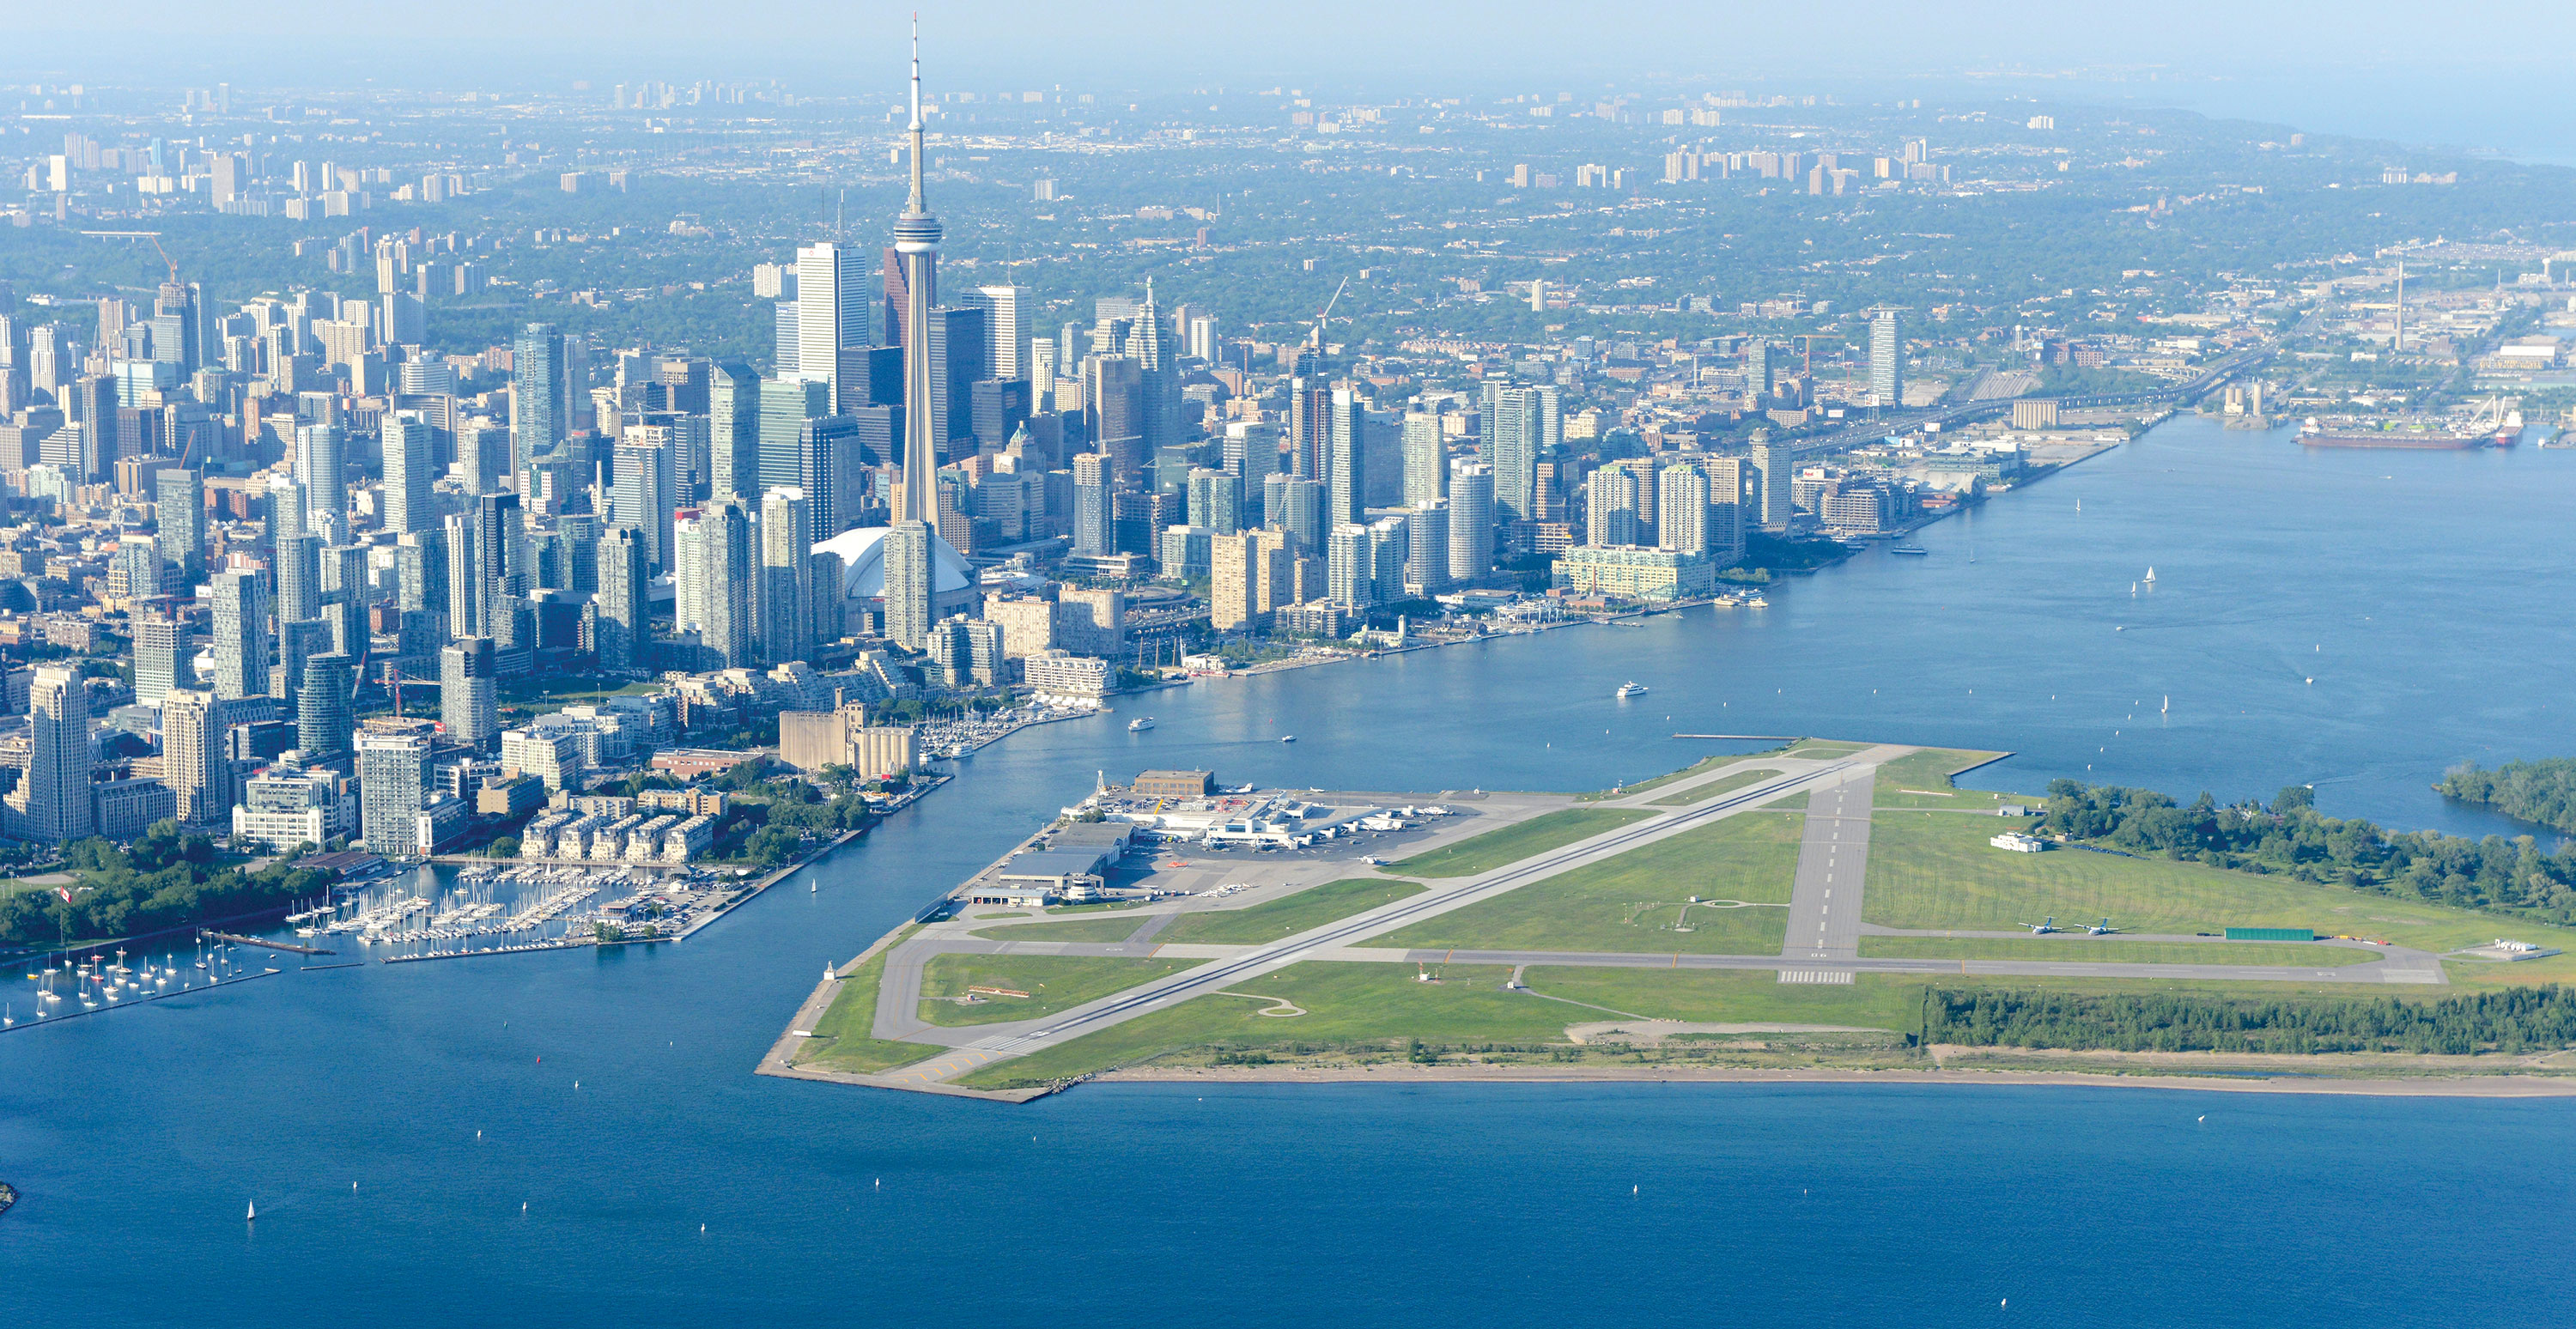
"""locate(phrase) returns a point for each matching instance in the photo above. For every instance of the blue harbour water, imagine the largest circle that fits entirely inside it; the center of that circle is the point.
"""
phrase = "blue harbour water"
(2424, 593)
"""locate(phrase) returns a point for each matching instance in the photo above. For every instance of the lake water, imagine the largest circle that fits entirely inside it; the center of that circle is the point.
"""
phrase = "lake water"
(2421, 592)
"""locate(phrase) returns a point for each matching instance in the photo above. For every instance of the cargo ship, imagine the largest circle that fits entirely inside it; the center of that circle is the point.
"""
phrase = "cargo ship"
(2493, 426)
(2315, 435)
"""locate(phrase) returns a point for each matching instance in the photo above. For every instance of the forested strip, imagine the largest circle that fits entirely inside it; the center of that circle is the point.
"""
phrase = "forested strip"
(2508, 1020)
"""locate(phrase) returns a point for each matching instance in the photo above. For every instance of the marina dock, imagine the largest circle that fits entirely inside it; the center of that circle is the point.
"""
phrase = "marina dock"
(129, 1003)
(519, 949)
(286, 946)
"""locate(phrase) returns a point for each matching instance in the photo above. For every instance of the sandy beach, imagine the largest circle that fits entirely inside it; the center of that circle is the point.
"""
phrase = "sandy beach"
(2422, 1086)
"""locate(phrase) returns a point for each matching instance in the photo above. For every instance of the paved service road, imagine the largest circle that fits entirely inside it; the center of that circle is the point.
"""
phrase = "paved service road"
(1833, 863)
(2385, 971)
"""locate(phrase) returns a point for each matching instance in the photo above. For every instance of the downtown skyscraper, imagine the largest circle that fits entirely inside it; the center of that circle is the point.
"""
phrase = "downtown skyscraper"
(621, 638)
(241, 636)
(296, 565)
(500, 576)
(832, 306)
(540, 413)
(322, 468)
(784, 602)
(467, 696)
(1887, 357)
(180, 506)
(714, 586)
(409, 472)
(194, 763)
(53, 801)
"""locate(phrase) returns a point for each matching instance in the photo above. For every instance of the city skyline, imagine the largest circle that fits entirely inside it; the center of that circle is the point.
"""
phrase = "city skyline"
(1619, 615)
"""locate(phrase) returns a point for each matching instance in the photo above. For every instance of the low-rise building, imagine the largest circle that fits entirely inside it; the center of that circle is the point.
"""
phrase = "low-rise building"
(1314, 618)
(509, 795)
(1110, 837)
(537, 838)
(441, 822)
(1058, 871)
(551, 753)
(1634, 572)
(127, 808)
(690, 763)
(690, 839)
(1174, 784)
(284, 806)
(608, 844)
(1064, 678)
(644, 843)
(1019, 895)
(689, 802)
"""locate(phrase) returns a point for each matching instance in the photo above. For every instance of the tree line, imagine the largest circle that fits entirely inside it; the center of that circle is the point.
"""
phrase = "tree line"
(2542, 791)
(168, 879)
(2290, 837)
(2510, 1020)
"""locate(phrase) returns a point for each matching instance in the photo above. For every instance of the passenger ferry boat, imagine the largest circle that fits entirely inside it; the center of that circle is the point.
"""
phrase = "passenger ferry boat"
(1140, 724)
(1627, 690)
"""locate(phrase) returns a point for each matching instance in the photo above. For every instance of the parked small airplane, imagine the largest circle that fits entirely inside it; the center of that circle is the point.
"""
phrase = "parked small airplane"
(2101, 929)
(2037, 929)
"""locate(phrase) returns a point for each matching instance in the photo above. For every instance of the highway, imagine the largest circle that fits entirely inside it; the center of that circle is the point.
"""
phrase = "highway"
(1857, 435)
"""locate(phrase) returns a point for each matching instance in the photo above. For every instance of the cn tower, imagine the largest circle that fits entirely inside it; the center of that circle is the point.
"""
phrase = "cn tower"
(916, 238)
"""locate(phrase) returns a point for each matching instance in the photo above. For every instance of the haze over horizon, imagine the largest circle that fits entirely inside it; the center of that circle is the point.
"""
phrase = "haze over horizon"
(2376, 69)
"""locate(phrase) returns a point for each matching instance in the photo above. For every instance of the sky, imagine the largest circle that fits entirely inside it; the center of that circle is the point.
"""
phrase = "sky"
(2491, 75)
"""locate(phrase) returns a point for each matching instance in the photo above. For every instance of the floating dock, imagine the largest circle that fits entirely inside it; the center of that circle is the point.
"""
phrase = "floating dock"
(286, 946)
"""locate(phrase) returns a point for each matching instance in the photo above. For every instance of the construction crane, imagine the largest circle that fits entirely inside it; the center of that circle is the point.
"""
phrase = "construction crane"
(1807, 352)
(153, 236)
(394, 683)
(1318, 338)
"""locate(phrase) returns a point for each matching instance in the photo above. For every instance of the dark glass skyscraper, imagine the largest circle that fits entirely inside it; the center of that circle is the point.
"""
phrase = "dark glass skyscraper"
(540, 415)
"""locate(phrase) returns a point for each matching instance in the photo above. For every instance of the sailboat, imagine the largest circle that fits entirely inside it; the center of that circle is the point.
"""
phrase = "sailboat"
(2167, 709)
(2151, 576)
(253, 1215)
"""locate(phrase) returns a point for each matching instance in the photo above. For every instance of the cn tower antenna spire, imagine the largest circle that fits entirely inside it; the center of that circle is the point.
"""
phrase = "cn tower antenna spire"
(917, 206)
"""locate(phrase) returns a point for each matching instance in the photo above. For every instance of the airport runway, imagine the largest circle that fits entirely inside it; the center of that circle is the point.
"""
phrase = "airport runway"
(1833, 865)
(1823, 942)
(898, 1006)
